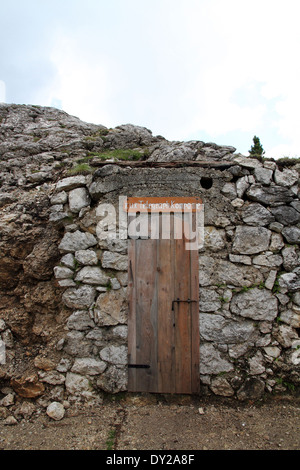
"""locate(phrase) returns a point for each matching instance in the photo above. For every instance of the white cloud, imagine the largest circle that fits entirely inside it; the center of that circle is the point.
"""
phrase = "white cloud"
(82, 87)
(183, 69)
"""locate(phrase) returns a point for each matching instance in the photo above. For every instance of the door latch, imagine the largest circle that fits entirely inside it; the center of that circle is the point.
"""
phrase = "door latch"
(179, 300)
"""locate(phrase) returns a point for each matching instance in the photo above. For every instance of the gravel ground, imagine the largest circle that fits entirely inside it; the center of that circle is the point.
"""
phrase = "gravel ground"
(162, 423)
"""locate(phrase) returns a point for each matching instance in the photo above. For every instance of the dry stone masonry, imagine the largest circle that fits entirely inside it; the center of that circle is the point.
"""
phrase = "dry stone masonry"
(64, 307)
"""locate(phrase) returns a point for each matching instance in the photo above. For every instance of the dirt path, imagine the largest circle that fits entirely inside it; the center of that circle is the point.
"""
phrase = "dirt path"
(157, 423)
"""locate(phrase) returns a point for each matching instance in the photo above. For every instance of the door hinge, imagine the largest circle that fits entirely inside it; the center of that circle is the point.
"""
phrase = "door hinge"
(179, 300)
(139, 366)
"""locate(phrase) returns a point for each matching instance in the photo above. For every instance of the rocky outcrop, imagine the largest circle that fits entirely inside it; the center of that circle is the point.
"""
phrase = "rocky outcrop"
(63, 311)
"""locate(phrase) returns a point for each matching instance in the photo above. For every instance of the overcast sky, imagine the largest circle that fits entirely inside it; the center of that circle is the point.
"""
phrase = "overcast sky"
(214, 70)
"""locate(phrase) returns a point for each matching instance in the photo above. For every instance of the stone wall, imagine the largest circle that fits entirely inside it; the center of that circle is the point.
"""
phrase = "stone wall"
(63, 308)
(248, 274)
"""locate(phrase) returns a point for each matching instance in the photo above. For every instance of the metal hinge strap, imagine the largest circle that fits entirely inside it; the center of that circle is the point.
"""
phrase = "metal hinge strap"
(139, 366)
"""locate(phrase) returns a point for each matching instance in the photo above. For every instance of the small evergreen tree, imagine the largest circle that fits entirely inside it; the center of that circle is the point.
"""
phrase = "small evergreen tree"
(256, 149)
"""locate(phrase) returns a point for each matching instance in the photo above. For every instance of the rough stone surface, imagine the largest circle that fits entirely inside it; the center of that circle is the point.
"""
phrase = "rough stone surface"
(286, 177)
(111, 308)
(114, 354)
(76, 384)
(114, 261)
(56, 411)
(75, 241)
(270, 195)
(212, 361)
(78, 198)
(218, 329)
(251, 240)
(92, 275)
(64, 291)
(88, 366)
(256, 214)
(257, 304)
(86, 257)
(80, 297)
(80, 320)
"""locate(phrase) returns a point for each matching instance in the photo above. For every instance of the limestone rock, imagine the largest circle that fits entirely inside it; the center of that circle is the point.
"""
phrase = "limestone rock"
(214, 272)
(86, 257)
(53, 377)
(220, 386)
(113, 380)
(63, 273)
(43, 363)
(291, 235)
(74, 241)
(78, 198)
(92, 275)
(286, 177)
(77, 345)
(286, 215)
(175, 152)
(209, 300)
(251, 240)
(268, 259)
(263, 175)
(10, 421)
(88, 366)
(8, 400)
(218, 329)
(214, 239)
(111, 308)
(285, 335)
(212, 361)
(258, 304)
(291, 317)
(290, 258)
(78, 298)
(270, 195)
(256, 214)
(243, 259)
(80, 320)
(290, 281)
(229, 190)
(59, 198)
(256, 364)
(56, 411)
(68, 260)
(67, 184)
(247, 162)
(77, 384)
(114, 261)
(114, 354)
(242, 185)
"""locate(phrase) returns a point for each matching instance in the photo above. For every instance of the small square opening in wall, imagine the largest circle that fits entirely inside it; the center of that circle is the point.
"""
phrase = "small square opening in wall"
(206, 182)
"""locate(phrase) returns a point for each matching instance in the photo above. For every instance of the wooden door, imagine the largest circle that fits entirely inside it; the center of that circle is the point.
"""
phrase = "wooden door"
(163, 323)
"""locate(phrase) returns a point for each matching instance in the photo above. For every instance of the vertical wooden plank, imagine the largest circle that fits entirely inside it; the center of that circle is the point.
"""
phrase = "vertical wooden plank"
(166, 372)
(182, 319)
(131, 316)
(195, 333)
(146, 314)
